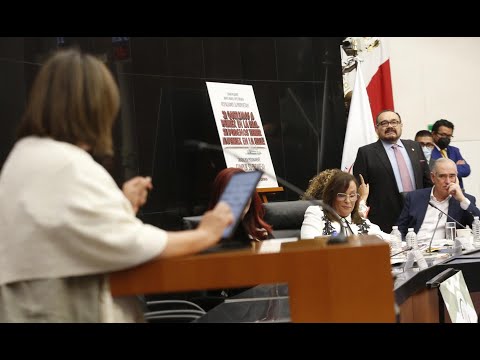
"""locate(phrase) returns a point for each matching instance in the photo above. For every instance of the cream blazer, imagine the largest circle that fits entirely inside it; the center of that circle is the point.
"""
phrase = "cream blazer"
(62, 215)
(313, 225)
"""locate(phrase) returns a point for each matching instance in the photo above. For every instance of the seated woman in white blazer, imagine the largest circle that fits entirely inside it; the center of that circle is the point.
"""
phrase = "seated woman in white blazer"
(341, 193)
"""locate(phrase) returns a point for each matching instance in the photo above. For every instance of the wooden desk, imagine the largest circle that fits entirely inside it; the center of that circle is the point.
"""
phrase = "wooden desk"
(421, 304)
(421, 307)
(336, 283)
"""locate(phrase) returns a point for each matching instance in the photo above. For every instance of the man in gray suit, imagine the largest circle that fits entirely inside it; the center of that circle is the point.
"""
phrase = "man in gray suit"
(391, 167)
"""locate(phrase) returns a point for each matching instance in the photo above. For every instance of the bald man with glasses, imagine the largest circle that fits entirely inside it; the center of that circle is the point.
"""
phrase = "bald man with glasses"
(442, 133)
(391, 167)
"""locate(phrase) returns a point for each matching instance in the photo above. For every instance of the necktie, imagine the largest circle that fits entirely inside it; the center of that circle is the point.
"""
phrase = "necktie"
(344, 227)
(444, 153)
(402, 167)
(347, 230)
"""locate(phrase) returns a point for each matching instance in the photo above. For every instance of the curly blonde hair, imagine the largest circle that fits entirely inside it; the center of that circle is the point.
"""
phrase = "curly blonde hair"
(317, 184)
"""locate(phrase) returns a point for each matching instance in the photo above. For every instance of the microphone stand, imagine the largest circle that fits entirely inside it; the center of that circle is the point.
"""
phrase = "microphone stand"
(400, 252)
(334, 239)
(443, 212)
(436, 226)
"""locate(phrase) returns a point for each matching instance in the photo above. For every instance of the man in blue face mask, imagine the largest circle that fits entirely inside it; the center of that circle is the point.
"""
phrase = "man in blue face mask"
(442, 133)
(424, 137)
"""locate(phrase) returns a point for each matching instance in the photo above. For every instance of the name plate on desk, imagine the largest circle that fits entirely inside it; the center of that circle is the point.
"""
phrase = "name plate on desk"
(457, 299)
(416, 256)
(273, 246)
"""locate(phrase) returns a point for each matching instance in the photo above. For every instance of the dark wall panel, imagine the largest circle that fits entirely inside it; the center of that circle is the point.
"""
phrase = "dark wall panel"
(294, 59)
(223, 58)
(259, 61)
(297, 84)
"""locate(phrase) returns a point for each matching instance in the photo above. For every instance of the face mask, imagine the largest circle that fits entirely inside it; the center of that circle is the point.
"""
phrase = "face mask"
(427, 151)
(443, 142)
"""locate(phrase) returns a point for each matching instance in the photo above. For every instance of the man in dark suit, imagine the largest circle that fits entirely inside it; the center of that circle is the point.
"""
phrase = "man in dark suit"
(391, 167)
(424, 137)
(446, 194)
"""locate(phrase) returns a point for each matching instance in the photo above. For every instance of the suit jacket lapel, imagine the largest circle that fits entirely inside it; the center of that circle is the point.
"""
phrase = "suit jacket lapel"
(436, 154)
(382, 155)
(454, 210)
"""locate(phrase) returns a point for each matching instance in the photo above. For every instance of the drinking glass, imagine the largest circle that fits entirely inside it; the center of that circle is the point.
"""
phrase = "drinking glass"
(450, 230)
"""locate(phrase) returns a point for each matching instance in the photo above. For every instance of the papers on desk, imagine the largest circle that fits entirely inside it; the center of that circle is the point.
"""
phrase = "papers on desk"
(434, 257)
(441, 243)
(399, 259)
(467, 243)
(273, 246)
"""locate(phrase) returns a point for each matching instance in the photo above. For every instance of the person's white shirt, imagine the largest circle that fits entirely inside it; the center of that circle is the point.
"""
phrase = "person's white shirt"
(314, 224)
(429, 226)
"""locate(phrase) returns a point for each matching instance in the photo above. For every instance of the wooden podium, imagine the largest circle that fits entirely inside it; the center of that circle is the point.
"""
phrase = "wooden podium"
(351, 282)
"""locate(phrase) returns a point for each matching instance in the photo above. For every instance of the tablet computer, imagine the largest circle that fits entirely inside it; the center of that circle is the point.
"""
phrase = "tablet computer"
(237, 194)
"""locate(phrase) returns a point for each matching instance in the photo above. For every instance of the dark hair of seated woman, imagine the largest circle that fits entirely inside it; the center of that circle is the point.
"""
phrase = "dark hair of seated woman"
(253, 222)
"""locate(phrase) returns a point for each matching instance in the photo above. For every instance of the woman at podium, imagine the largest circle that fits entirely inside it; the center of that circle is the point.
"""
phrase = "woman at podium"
(64, 223)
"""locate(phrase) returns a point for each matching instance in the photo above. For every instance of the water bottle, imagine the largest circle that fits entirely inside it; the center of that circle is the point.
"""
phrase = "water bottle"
(411, 238)
(395, 240)
(476, 231)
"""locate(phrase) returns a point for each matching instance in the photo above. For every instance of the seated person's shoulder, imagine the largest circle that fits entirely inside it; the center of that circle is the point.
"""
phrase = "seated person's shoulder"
(314, 210)
(470, 197)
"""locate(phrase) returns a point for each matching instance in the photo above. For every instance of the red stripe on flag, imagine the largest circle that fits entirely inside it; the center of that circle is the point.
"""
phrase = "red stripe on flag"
(380, 90)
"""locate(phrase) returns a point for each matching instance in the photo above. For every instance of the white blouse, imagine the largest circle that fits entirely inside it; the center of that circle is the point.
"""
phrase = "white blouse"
(313, 225)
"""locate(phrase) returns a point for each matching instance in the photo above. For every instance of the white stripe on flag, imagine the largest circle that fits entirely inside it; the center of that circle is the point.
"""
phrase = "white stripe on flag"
(360, 130)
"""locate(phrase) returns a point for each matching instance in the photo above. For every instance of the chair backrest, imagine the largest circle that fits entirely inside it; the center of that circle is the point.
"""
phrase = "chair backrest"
(261, 303)
(172, 311)
(286, 217)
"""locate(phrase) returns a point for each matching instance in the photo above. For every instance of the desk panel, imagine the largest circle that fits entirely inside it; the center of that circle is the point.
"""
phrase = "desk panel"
(350, 282)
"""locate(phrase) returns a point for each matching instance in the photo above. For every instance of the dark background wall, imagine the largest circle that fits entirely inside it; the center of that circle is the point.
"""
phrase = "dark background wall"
(297, 84)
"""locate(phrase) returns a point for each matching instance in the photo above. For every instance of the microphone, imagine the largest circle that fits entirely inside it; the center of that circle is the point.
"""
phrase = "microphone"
(201, 145)
(408, 248)
(443, 212)
(339, 238)
(440, 214)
